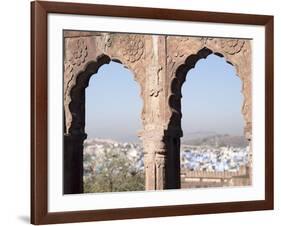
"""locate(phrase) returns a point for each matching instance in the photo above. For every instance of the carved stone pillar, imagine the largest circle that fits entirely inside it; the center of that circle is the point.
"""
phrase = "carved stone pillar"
(155, 160)
(73, 163)
(173, 162)
(161, 160)
(161, 147)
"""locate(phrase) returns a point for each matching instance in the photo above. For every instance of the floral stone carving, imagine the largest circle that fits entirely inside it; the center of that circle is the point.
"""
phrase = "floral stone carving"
(77, 56)
(232, 46)
(74, 59)
(78, 53)
(133, 48)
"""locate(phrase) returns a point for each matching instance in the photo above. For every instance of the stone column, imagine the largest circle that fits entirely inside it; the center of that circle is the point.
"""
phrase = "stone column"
(73, 163)
(161, 148)
(161, 160)
(173, 162)
(155, 160)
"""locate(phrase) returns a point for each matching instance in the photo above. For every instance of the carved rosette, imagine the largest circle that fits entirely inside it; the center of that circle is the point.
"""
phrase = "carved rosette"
(74, 60)
(133, 47)
(79, 53)
(231, 46)
(76, 57)
(228, 46)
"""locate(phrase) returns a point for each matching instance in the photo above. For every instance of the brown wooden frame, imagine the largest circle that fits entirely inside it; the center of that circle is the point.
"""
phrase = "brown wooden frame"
(39, 107)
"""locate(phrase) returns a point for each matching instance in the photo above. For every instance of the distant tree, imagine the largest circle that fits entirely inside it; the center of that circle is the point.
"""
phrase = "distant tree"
(113, 171)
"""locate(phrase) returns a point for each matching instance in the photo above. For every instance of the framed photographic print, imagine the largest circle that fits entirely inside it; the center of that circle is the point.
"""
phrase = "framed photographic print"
(146, 112)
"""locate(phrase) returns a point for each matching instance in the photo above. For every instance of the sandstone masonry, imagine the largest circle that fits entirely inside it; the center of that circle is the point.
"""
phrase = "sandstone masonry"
(160, 64)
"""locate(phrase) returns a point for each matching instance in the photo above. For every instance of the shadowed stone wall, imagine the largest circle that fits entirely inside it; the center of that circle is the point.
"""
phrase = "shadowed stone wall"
(159, 64)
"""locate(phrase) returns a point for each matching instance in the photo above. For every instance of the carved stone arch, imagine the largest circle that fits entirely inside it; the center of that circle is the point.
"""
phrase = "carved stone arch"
(159, 64)
(83, 58)
(182, 55)
(75, 120)
(76, 105)
(177, 81)
(237, 54)
(85, 52)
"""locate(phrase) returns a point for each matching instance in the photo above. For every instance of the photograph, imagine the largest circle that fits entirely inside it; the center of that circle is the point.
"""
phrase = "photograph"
(152, 112)
(142, 112)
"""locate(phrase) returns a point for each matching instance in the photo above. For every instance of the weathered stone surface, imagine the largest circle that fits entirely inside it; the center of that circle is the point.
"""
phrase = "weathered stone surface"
(159, 64)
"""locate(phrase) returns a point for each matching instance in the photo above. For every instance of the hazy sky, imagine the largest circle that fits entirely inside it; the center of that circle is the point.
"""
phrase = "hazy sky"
(211, 101)
(113, 104)
(212, 98)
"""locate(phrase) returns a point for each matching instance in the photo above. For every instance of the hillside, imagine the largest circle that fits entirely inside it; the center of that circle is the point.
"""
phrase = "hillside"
(217, 140)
